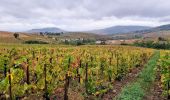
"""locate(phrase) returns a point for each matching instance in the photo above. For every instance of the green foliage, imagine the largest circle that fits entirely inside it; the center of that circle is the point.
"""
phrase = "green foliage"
(164, 64)
(79, 42)
(35, 42)
(152, 44)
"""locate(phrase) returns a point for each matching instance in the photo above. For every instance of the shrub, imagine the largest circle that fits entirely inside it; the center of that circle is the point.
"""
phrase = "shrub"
(16, 35)
(155, 45)
(35, 42)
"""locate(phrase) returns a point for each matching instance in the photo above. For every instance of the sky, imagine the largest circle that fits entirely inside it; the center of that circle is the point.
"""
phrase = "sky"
(81, 15)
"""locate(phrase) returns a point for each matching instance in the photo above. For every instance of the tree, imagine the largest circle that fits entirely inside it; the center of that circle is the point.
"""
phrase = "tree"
(16, 35)
(161, 39)
(41, 33)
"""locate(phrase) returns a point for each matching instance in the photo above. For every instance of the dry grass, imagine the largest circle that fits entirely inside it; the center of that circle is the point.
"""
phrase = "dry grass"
(7, 37)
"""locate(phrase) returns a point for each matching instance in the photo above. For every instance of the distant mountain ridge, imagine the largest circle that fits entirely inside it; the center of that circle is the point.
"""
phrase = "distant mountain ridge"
(163, 27)
(110, 30)
(155, 29)
(120, 29)
(49, 29)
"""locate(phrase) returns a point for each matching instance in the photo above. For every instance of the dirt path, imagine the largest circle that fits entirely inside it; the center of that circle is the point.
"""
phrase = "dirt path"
(118, 85)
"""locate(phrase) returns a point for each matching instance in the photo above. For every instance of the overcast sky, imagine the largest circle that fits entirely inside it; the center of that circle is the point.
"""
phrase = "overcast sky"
(78, 15)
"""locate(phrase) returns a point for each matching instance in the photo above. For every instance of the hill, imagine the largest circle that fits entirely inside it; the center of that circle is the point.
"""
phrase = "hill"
(75, 35)
(155, 29)
(149, 34)
(8, 37)
(49, 29)
(120, 29)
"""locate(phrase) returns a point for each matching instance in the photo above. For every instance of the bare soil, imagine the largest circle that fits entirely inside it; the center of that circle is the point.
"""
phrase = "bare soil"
(118, 85)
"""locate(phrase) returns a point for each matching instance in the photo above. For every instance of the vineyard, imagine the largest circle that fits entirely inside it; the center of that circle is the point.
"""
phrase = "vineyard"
(74, 73)
(164, 64)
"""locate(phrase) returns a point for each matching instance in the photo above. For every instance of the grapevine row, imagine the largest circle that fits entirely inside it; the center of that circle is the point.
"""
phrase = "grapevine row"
(52, 72)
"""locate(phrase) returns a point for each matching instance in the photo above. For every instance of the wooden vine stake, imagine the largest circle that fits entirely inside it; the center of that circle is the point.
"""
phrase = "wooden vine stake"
(51, 59)
(168, 98)
(10, 86)
(86, 78)
(45, 81)
(27, 73)
(69, 61)
(67, 79)
(78, 74)
(66, 86)
(169, 85)
(117, 62)
(102, 68)
(5, 69)
(91, 59)
(33, 54)
(110, 63)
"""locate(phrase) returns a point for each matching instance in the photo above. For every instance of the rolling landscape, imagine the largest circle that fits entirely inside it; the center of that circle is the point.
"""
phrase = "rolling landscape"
(84, 50)
(119, 33)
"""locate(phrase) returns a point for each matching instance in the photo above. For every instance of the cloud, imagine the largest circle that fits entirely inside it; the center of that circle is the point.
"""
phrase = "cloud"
(20, 15)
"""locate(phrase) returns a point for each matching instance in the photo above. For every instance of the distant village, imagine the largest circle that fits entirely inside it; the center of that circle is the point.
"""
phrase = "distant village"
(119, 39)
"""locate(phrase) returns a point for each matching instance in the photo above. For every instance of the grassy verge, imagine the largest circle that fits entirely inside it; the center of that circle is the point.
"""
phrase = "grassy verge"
(137, 90)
